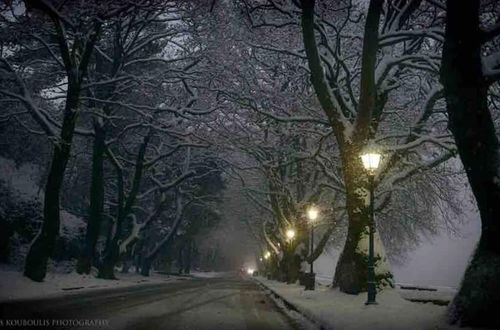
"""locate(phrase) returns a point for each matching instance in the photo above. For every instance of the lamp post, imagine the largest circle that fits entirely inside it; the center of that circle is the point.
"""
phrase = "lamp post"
(267, 265)
(371, 160)
(288, 256)
(312, 214)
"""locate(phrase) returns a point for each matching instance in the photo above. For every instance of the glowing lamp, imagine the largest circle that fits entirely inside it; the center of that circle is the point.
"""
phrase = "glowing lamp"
(371, 161)
(312, 213)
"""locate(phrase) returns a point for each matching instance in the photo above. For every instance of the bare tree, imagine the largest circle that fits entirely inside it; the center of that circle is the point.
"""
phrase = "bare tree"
(75, 45)
(467, 77)
(142, 47)
(356, 91)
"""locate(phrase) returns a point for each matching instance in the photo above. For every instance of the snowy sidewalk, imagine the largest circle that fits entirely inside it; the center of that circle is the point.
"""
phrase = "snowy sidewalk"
(332, 309)
(14, 286)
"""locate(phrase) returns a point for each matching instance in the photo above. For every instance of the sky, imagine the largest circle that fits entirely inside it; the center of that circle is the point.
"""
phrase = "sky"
(442, 260)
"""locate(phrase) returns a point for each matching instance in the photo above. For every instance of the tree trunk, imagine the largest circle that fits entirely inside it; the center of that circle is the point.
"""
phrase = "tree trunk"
(126, 266)
(111, 254)
(187, 267)
(274, 269)
(96, 201)
(137, 263)
(42, 247)
(293, 268)
(107, 266)
(97, 181)
(112, 251)
(180, 259)
(466, 90)
(350, 273)
(5, 234)
(289, 265)
(351, 270)
(146, 266)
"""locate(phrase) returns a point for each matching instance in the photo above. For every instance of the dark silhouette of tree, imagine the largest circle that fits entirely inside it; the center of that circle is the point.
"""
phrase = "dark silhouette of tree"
(467, 78)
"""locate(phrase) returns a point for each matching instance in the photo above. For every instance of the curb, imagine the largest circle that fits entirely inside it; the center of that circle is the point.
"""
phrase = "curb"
(291, 306)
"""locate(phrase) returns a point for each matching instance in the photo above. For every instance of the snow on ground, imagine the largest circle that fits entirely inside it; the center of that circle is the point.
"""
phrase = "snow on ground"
(323, 279)
(208, 274)
(336, 310)
(437, 294)
(14, 286)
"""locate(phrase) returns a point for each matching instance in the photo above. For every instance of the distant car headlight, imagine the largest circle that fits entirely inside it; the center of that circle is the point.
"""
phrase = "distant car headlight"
(250, 271)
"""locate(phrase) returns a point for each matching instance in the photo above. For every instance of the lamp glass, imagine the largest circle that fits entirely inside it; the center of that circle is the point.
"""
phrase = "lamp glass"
(312, 213)
(290, 233)
(371, 161)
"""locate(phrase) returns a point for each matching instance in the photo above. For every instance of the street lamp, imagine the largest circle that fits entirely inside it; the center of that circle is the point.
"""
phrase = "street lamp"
(312, 214)
(288, 257)
(267, 265)
(371, 161)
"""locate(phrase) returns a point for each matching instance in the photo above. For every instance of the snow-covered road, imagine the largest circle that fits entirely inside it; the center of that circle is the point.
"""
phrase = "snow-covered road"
(228, 302)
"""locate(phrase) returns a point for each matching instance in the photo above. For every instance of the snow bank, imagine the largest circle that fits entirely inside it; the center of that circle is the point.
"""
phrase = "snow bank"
(336, 310)
(14, 286)
(436, 294)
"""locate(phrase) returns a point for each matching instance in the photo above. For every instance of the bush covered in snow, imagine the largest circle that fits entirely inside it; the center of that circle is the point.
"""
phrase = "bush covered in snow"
(21, 219)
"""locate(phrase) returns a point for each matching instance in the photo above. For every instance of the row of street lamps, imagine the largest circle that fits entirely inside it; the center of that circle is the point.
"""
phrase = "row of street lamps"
(371, 162)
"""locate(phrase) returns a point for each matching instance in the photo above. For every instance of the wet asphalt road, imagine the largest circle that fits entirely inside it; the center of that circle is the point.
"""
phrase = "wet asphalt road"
(230, 302)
